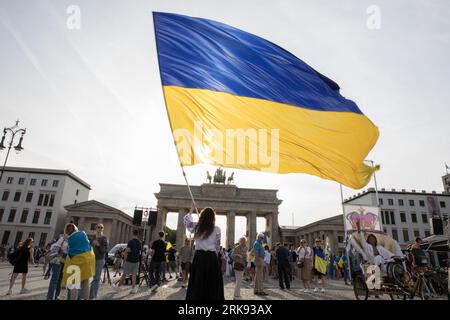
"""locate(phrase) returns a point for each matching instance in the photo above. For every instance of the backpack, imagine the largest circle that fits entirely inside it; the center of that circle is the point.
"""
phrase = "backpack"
(420, 257)
(13, 257)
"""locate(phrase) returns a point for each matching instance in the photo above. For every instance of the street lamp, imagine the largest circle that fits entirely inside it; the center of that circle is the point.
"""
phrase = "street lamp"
(13, 131)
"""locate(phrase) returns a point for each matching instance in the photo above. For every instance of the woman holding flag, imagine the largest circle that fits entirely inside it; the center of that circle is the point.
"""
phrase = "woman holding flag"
(79, 257)
(205, 281)
(319, 264)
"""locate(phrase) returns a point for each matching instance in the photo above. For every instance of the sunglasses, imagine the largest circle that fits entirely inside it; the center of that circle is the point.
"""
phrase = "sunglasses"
(99, 227)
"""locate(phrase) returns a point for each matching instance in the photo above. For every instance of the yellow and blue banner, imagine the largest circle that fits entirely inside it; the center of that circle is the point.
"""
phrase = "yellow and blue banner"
(237, 100)
(320, 262)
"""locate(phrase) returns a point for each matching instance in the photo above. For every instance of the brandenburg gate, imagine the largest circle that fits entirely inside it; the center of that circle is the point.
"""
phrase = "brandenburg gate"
(225, 199)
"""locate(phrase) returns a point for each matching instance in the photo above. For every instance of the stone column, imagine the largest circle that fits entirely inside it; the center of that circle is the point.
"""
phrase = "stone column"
(269, 228)
(251, 227)
(122, 231)
(113, 234)
(160, 222)
(335, 242)
(181, 229)
(81, 223)
(274, 233)
(231, 218)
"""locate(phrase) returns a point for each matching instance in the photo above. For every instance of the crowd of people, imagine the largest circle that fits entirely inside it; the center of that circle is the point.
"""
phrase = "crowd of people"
(200, 265)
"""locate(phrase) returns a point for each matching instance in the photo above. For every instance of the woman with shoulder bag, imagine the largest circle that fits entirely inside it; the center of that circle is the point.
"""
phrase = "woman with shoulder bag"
(304, 264)
(239, 253)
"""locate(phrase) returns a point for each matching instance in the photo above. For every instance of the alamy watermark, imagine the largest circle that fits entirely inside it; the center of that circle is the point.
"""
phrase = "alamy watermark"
(235, 147)
(73, 21)
(374, 19)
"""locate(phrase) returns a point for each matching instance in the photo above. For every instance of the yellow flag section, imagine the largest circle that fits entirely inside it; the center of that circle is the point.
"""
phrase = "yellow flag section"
(320, 264)
(83, 263)
(168, 246)
(248, 133)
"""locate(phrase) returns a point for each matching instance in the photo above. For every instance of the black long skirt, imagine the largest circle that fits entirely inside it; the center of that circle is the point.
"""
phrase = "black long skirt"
(205, 279)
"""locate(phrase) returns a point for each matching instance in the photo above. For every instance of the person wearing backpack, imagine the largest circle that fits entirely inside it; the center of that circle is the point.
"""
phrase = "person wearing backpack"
(57, 254)
(19, 259)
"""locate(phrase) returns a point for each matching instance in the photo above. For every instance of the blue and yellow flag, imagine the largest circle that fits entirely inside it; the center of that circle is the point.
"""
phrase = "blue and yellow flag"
(239, 101)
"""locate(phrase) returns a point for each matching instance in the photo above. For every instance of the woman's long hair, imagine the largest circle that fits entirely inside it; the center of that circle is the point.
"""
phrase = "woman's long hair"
(206, 223)
(70, 228)
(26, 244)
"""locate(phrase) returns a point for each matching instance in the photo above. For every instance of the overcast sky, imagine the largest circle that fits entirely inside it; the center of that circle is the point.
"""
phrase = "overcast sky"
(92, 103)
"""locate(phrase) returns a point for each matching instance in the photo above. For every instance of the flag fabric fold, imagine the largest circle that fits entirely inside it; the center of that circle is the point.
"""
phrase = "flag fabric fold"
(239, 101)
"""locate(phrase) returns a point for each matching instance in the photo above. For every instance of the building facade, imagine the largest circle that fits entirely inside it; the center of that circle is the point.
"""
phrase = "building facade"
(329, 230)
(32, 203)
(405, 214)
(446, 183)
(86, 215)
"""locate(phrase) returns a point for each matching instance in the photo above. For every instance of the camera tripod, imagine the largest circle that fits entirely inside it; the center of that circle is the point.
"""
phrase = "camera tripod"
(145, 276)
(106, 274)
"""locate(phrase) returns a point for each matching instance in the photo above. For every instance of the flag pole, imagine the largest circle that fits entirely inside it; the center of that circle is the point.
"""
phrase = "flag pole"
(346, 237)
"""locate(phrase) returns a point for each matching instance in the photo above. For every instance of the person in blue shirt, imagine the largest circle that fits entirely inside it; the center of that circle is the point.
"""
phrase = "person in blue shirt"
(258, 251)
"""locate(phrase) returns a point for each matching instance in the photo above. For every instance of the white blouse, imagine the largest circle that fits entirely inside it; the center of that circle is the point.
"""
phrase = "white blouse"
(211, 243)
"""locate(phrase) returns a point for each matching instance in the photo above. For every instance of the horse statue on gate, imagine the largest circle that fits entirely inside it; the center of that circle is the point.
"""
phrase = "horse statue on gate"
(220, 176)
(208, 177)
(230, 178)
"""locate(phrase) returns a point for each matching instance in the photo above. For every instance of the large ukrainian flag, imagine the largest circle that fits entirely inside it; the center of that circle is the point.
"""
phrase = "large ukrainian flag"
(224, 85)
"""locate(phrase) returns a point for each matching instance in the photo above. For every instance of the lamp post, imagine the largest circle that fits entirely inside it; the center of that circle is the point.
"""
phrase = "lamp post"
(15, 130)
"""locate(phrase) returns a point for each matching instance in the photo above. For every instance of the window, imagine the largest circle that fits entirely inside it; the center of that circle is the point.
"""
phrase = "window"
(78, 191)
(5, 237)
(405, 235)
(422, 203)
(391, 202)
(414, 217)
(385, 217)
(44, 182)
(401, 202)
(42, 239)
(2, 211)
(380, 201)
(17, 196)
(392, 217)
(41, 198)
(9, 180)
(5, 195)
(402, 217)
(424, 218)
(48, 217)
(340, 239)
(93, 225)
(32, 182)
(21, 181)
(23, 218)
(55, 183)
(416, 233)
(46, 198)
(31, 235)
(411, 203)
(75, 202)
(395, 234)
(384, 230)
(19, 235)
(442, 203)
(12, 215)
(427, 233)
(36, 216)
(29, 197)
